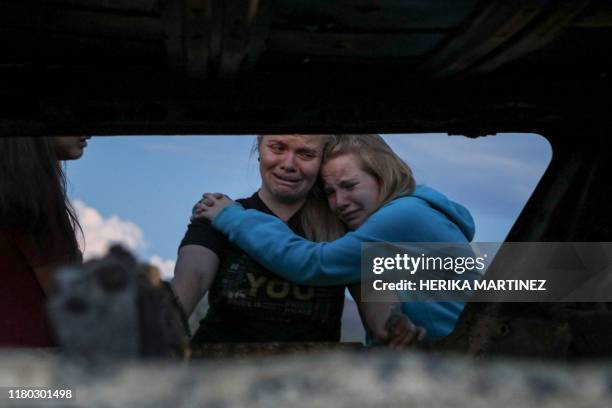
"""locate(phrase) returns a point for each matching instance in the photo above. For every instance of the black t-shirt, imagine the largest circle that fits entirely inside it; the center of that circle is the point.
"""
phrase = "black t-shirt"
(249, 303)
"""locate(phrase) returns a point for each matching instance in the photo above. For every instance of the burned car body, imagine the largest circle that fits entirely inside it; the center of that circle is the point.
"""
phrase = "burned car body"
(463, 67)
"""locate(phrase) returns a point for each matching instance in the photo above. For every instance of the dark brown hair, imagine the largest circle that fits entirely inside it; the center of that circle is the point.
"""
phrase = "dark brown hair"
(33, 197)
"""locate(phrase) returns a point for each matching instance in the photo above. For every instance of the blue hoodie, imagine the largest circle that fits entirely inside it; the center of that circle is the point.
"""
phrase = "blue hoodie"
(424, 216)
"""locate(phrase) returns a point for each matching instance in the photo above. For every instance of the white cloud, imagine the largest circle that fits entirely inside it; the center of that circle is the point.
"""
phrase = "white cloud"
(101, 233)
(166, 266)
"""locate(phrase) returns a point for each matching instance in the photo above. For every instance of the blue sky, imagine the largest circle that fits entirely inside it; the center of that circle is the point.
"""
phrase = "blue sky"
(140, 189)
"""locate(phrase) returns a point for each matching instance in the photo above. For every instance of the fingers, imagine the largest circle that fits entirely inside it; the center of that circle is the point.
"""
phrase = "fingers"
(200, 208)
(402, 332)
(393, 328)
(196, 209)
(421, 333)
(217, 196)
(409, 338)
(405, 339)
(208, 200)
(209, 206)
(395, 324)
(381, 335)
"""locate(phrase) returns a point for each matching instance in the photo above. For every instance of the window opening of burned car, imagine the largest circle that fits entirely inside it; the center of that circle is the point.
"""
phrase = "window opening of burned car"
(139, 191)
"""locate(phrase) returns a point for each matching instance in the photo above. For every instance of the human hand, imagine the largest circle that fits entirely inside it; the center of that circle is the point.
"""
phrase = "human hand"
(403, 331)
(399, 332)
(210, 206)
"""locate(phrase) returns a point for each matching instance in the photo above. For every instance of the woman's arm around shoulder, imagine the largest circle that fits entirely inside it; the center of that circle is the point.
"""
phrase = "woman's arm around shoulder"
(270, 241)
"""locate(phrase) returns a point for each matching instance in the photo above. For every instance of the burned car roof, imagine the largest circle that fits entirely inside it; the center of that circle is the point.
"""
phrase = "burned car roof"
(129, 67)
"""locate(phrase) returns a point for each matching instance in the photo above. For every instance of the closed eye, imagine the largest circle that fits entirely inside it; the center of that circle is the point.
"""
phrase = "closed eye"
(276, 148)
(348, 186)
(308, 155)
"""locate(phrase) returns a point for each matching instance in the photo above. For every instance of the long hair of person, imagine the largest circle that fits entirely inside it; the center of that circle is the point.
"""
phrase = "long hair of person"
(33, 198)
(319, 223)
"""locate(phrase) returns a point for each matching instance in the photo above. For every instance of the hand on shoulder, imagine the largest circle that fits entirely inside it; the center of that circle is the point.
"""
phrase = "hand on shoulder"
(210, 206)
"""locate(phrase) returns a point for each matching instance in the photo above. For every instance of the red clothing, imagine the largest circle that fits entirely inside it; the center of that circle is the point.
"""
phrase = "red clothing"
(23, 319)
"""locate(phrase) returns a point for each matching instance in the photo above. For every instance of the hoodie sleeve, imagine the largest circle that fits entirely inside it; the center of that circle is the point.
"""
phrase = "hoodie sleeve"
(270, 241)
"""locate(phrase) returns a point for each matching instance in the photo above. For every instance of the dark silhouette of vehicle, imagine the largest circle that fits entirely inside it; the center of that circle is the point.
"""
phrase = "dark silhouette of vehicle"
(252, 66)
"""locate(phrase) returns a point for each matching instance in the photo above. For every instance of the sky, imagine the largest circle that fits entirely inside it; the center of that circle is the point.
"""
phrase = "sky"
(139, 190)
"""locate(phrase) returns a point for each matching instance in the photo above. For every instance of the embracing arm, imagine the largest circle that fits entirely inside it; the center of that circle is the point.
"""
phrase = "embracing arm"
(270, 241)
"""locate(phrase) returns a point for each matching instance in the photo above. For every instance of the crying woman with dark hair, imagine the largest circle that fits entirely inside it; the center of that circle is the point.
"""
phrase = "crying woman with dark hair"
(37, 232)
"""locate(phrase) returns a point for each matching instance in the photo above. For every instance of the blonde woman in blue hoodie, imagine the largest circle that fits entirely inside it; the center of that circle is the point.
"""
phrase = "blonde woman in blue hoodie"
(373, 192)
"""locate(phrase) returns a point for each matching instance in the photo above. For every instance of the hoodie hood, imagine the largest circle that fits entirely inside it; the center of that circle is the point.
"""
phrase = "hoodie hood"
(455, 212)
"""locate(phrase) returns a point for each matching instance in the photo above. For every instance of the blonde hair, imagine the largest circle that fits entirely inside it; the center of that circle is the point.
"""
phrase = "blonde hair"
(376, 158)
(316, 219)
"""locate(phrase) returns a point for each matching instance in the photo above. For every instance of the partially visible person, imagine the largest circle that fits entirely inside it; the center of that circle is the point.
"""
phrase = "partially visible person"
(37, 232)
(248, 302)
(375, 195)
